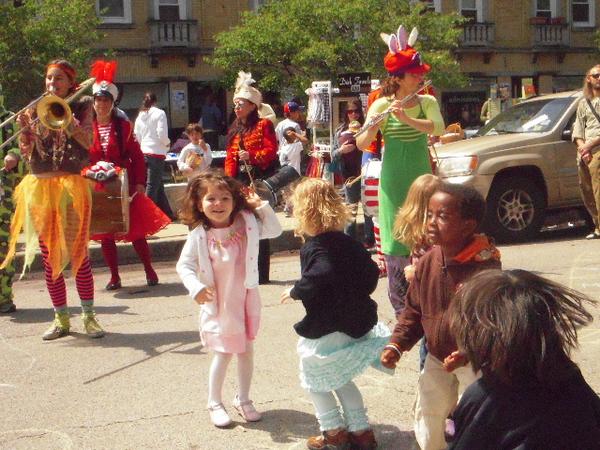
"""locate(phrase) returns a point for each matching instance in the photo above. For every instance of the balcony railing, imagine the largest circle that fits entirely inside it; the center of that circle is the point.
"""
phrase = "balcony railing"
(551, 35)
(478, 35)
(174, 33)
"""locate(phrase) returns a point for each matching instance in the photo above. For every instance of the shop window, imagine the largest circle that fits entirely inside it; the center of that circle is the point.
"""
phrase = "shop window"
(583, 13)
(114, 11)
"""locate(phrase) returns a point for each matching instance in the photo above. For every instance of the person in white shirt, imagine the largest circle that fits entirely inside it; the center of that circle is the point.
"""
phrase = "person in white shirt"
(195, 156)
(290, 136)
(151, 130)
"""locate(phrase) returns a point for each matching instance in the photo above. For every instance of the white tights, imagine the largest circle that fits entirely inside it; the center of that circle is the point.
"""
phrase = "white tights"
(218, 369)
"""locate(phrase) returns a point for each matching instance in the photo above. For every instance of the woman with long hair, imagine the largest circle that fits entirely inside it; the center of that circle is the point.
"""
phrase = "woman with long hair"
(114, 143)
(344, 148)
(53, 202)
(252, 148)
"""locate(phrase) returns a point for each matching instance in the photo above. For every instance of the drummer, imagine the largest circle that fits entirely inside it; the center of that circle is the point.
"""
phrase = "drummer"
(114, 143)
(252, 149)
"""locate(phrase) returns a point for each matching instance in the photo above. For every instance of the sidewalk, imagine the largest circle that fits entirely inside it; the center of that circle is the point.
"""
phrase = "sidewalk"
(166, 245)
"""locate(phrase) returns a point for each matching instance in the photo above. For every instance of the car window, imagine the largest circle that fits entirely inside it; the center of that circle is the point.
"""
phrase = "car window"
(529, 117)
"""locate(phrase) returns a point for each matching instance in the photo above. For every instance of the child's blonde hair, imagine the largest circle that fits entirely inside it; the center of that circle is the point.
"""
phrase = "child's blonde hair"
(410, 226)
(190, 213)
(318, 208)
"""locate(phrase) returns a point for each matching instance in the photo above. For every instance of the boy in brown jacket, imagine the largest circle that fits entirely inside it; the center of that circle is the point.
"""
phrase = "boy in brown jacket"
(454, 215)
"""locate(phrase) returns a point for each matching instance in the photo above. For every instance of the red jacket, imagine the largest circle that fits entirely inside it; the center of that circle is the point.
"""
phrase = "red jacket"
(129, 156)
(261, 143)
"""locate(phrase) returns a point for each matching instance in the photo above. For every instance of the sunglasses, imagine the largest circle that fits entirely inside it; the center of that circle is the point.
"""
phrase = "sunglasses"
(595, 75)
(239, 104)
(350, 111)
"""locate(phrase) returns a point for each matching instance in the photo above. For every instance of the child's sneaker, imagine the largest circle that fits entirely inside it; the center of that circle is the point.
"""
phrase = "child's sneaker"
(363, 441)
(328, 441)
(91, 326)
(246, 410)
(219, 416)
(60, 327)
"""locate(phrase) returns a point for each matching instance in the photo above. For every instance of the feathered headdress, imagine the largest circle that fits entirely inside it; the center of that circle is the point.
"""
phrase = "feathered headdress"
(104, 72)
(244, 88)
(402, 57)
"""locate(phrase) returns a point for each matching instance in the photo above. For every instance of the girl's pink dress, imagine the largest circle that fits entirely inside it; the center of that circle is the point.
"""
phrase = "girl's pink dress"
(238, 309)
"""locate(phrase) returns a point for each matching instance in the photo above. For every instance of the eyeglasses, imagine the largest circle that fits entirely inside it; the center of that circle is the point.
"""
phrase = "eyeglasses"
(595, 75)
(239, 104)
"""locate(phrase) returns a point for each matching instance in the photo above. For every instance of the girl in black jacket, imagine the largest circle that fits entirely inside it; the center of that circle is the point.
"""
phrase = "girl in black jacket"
(339, 336)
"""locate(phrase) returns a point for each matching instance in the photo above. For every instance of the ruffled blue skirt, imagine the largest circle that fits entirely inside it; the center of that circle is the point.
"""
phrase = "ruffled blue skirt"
(328, 363)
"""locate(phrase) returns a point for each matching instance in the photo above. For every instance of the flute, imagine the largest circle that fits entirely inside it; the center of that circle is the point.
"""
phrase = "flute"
(382, 115)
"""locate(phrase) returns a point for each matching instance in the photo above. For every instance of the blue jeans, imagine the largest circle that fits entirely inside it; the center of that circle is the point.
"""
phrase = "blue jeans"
(396, 289)
(155, 189)
(352, 195)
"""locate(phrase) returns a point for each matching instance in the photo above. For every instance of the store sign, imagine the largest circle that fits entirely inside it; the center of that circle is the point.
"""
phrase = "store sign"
(354, 83)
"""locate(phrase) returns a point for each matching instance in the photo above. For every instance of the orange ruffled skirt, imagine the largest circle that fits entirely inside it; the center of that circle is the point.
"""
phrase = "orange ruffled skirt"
(56, 211)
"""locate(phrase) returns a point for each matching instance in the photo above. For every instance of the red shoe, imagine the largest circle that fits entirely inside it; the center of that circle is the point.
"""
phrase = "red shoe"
(364, 440)
(327, 441)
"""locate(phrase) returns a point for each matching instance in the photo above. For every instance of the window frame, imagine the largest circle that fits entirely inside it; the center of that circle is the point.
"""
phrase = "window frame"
(591, 22)
(553, 8)
(478, 10)
(126, 18)
(182, 4)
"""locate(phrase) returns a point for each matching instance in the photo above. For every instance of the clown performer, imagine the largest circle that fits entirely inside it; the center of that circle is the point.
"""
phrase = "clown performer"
(114, 143)
(252, 148)
(10, 176)
(404, 131)
(53, 202)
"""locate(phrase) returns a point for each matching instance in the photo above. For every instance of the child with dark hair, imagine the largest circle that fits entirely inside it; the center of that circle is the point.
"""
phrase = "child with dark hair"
(454, 215)
(519, 330)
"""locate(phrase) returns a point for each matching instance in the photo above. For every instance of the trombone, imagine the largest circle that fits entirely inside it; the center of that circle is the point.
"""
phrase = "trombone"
(52, 111)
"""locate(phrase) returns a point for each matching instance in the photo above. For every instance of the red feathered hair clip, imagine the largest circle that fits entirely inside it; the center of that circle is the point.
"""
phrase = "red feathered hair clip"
(104, 71)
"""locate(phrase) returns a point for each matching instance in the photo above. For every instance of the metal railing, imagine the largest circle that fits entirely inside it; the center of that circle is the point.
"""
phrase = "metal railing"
(174, 33)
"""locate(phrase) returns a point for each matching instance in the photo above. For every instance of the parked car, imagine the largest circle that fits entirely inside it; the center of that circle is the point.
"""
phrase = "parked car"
(522, 161)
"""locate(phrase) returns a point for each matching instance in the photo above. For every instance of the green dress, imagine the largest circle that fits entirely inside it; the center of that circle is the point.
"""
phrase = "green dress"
(405, 158)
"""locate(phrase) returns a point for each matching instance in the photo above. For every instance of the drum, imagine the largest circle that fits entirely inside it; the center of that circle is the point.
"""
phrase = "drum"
(268, 189)
(110, 205)
(369, 189)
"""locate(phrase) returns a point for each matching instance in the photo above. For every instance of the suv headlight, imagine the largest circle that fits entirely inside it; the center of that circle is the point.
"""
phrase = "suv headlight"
(458, 166)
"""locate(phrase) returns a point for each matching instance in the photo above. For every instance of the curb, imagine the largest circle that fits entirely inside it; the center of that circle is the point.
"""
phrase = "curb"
(161, 249)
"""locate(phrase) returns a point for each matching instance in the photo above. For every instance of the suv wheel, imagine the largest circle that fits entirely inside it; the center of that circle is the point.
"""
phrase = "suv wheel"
(515, 210)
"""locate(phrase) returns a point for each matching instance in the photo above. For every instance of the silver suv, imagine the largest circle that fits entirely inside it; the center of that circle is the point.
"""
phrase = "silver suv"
(522, 161)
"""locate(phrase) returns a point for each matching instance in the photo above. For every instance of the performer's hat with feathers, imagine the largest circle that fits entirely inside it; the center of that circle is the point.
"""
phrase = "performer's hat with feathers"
(402, 57)
(245, 90)
(104, 72)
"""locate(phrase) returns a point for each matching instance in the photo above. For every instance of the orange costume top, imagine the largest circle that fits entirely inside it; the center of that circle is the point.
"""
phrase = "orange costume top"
(260, 143)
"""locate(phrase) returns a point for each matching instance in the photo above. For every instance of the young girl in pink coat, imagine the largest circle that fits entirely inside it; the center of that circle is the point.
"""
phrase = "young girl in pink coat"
(221, 251)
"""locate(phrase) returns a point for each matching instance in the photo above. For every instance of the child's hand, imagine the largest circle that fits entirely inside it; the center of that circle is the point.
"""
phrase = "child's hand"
(409, 272)
(285, 295)
(253, 199)
(390, 356)
(206, 295)
(454, 360)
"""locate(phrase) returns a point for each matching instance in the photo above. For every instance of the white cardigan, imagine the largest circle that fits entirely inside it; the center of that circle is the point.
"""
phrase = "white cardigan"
(194, 266)
(152, 132)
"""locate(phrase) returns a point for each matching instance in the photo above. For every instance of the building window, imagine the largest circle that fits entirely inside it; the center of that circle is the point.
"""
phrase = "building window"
(582, 12)
(472, 10)
(170, 10)
(545, 8)
(255, 4)
(430, 5)
(114, 11)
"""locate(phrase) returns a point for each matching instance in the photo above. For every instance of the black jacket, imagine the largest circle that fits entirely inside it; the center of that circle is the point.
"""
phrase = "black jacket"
(491, 415)
(337, 278)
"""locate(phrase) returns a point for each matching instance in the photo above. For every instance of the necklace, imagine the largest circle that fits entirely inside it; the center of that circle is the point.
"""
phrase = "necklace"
(232, 236)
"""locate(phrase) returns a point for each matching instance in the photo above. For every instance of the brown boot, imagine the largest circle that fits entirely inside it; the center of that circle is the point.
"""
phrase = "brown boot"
(329, 441)
(365, 440)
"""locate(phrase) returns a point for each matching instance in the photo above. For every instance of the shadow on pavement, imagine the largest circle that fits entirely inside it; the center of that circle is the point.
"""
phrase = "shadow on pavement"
(43, 315)
(144, 291)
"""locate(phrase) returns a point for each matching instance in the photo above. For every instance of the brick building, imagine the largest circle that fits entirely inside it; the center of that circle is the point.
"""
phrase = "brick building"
(160, 45)
(510, 41)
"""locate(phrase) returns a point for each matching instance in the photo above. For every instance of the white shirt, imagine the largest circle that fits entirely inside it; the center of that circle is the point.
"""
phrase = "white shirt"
(192, 148)
(151, 131)
(290, 154)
